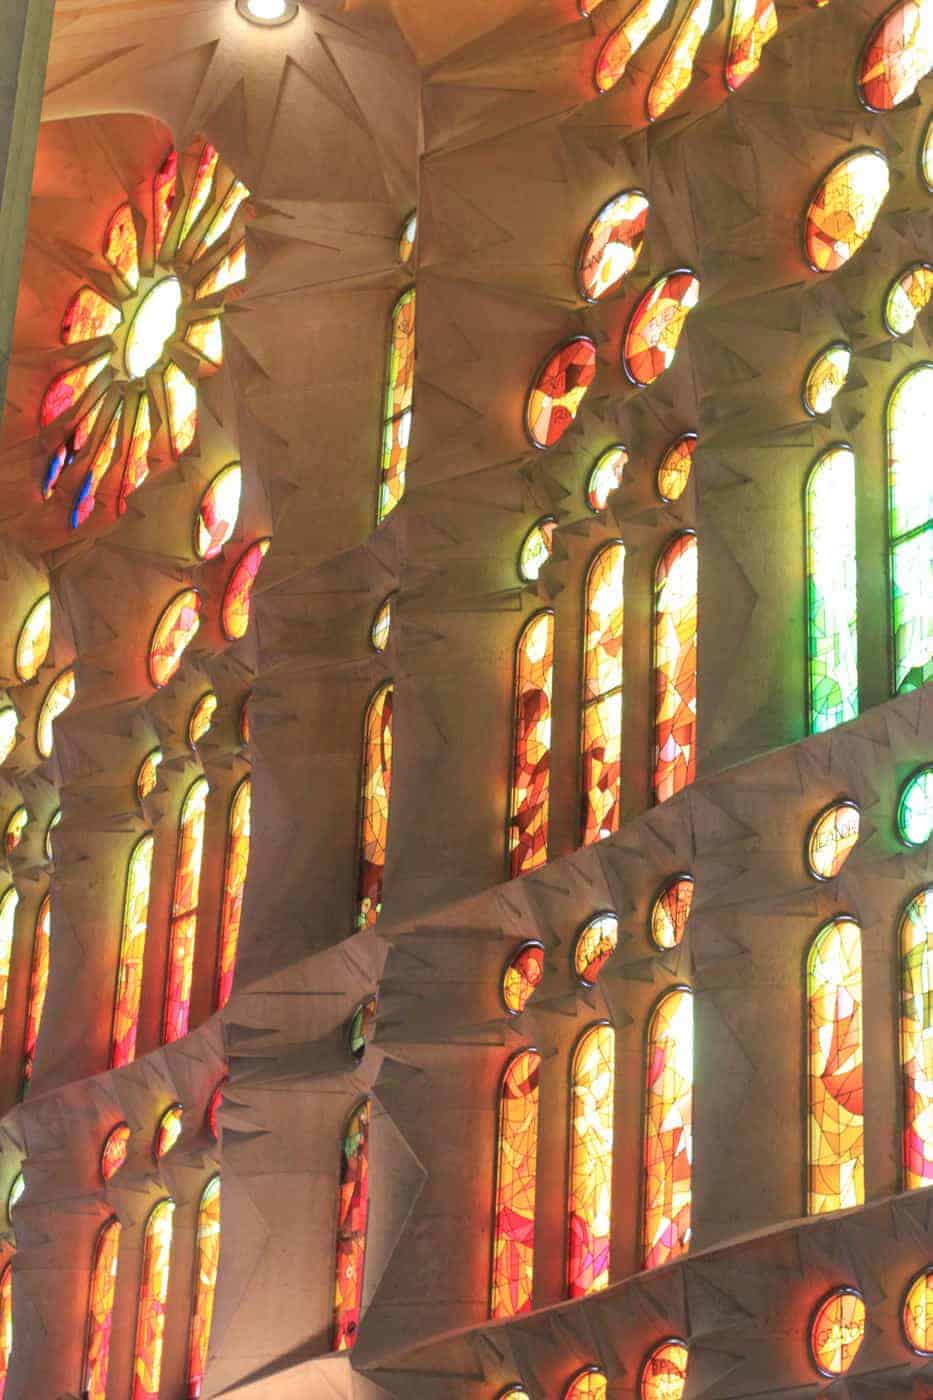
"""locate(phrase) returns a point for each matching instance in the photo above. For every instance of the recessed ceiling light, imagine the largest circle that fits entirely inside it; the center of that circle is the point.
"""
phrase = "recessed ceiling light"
(268, 11)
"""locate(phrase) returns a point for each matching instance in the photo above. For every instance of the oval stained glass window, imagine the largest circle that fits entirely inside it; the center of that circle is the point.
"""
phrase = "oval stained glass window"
(898, 53)
(625, 41)
(218, 512)
(825, 377)
(148, 774)
(664, 1373)
(212, 1113)
(656, 323)
(57, 699)
(831, 839)
(917, 1314)
(361, 1027)
(54, 820)
(842, 212)
(9, 719)
(612, 244)
(202, 716)
(114, 1151)
(175, 630)
(169, 1130)
(915, 808)
(559, 389)
(88, 316)
(536, 549)
(522, 975)
(675, 467)
(588, 1384)
(605, 476)
(32, 645)
(837, 1331)
(906, 297)
(670, 911)
(407, 237)
(926, 156)
(593, 946)
(381, 627)
(152, 327)
(238, 594)
(13, 831)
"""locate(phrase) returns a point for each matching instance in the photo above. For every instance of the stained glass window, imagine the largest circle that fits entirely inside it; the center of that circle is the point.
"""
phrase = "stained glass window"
(906, 297)
(531, 762)
(202, 717)
(917, 1314)
(899, 52)
(601, 715)
(67, 387)
(208, 1259)
(754, 22)
(245, 725)
(513, 1242)
(235, 865)
(589, 1384)
(670, 911)
(148, 774)
(593, 946)
(831, 839)
(230, 270)
(8, 905)
(206, 336)
(181, 402)
(612, 244)
(625, 41)
(606, 476)
(836, 1130)
(184, 918)
(676, 70)
(910, 513)
(675, 666)
(362, 1023)
(168, 1131)
(136, 467)
(668, 1129)
(926, 155)
(558, 390)
(101, 1298)
(9, 720)
(113, 1153)
(88, 316)
(352, 1214)
(16, 825)
(915, 808)
(837, 1331)
(38, 985)
(223, 218)
(825, 377)
(512, 1392)
(32, 646)
(675, 467)
(844, 208)
(215, 1103)
(238, 595)
(536, 549)
(407, 237)
(164, 186)
(54, 820)
(6, 1324)
(218, 511)
(132, 950)
(176, 628)
(522, 976)
(153, 1292)
(592, 1094)
(152, 326)
(664, 1373)
(832, 598)
(376, 791)
(397, 411)
(201, 188)
(57, 699)
(656, 323)
(916, 939)
(381, 625)
(65, 454)
(16, 1194)
(105, 454)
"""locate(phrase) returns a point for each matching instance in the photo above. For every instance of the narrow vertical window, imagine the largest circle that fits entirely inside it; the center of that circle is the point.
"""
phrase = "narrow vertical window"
(531, 760)
(374, 804)
(237, 860)
(669, 1129)
(396, 418)
(675, 666)
(592, 1093)
(910, 506)
(513, 1239)
(100, 1311)
(832, 603)
(132, 950)
(38, 986)
(602, 694)
(153, 1292)
(352, 1214)
(836, 1123)
(916, 1037)
(184, 921)
(208, 1258)
(9, 901)
(6, 1324)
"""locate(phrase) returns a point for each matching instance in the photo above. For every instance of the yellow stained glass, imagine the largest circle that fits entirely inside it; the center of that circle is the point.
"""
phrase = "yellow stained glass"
(906, 298)
(670, 912)
(407, 237)
(675, 467)
(589, 1384)
(218, 512)
(148, 774)
(132, 951)
(101, 1299)
(837, 1331)
(536, 549)
(224, 217)
(230, 269)
(601, 712)
(121, 247)
(754, 23)
(513, 1248)
(205, 1284)
(916, 1037)
(58, 697)
(606, 476)
(202, 717)
(9, 902)
(625, 41)
(917, 1314)
(668, 1152)
(381, 625)
(397, 410)
(184, 917)
(136, 467)
(16, 825)
(831, 840)
(206, 336)
(169, 1130)
(32, 646)
(676, 71)
(529, 802)
(153, 1293)
(200, 189)
(825, 377)
(9, 720)
(152, 327)
(181, 399)
(844, 209)
(592, 1098)
(836, 1132)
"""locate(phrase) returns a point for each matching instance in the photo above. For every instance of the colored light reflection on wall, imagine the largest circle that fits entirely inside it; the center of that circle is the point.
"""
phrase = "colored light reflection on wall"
(531, 763)
(592, 1097)
(836, 1132)
(513, 1244)
(601, 730)
(668, 1129)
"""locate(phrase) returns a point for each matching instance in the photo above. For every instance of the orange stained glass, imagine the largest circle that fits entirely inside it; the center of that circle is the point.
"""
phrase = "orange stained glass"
(230, 270)
(592, 1094)
(67, 387)
(675, 467)
(664, 1373)
(899, 52)
(6, 1324)
(121, 248)
(207, 337)
(375, 795)
(153, 1293)
(89, 315)
(670, 911)
(843, 210)
(16, 825)
(529, 800)
(826, 375)
(200, 189)
(114, 1151)
(175, 630)
(101, 1297)
(837, 1331)
(75, 442)
(245, 726)
(601, 715)
(558, 390)
(625, 41)
(238, 595)
(148, 774)
(676, 69)
(352, 1216)
(181, 402)
(513, 1240)
(136, 466)
(205, 1283)
(223, 218)
(58, 697)
(381, 627)
(397, 410)
(32, 645)
(512, 1392)
(104, 457)
(184, 918)
(9, 720)
(235, 867)
(612, 244)
(668, 1129)
(656, 323)
(201, 717)
(836, 1131)
(916, 1037)
(132, 951)
(831, 839)
(522, 976)
(917, 1314)
(606, 476)
(169, 1130)
(38, 985)
(589, 1384)
(164, 186)
(407, 238)
(218, 511)
(675, 666)
(906, 298)
(754, 23)
(593, 946)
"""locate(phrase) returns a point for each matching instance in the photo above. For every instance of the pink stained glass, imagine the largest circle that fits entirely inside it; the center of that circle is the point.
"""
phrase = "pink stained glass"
(238, 594)
(184, 917)
(163, 198)
(675, 667)
(558, 390)
(67, 387)
(38, 985)
(218, 511)
(113, 1153)
(101, 1298)
(88, 316)
(175, 630)
(214, 1106)
(655, 325)
(899, 53)
(153, 1293)
(121, 247)
(235, 868)
(136, 467)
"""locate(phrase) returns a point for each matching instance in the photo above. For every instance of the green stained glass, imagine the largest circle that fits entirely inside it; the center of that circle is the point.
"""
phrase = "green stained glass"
(915, 808)
(910, 496)
(832, 606)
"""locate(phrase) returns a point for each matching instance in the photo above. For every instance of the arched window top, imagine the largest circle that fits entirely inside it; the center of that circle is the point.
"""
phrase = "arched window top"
(169, 1130)
(664, 1372)
(825, 376)
(531, 760)
(897, 54)
(208, 1259)
(397, 409)
(16, 825)
(655, 325)
(513, 1392)
(153, 1292)
(522, 976)
(148, 774)
(381, 629)
(88, 316)
(352, 1216)
(915, 808)
(836, 1123)
(536, 549)
(831, 839)
(668, 1152)
(176, 628)
(625, 41)
(201, 717)
(101, 1299)
(9, 721)
(675, 467)
(236, 864)
(588, 1384)
(407, 238)
(917, 1314)
(675, 664)
(113, 1153)
(58, 697)
(593, 946)
(362, 1025)
(832, 599)
(754, 23)
(676, 69)
(612, 244)
(842, 213)
(906, 297)
(837, 1331)
(32, 645)
(916, 1028)
(218, 511)
(513, 1246)
(670, 911)
(558, 390)
(606, 476)
(592, 1101)
(121, 246)
(238, 594)
(374, 804)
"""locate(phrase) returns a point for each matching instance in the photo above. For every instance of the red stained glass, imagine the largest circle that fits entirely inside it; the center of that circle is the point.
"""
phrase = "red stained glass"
(675, 667)
(754, 23)
(6, 1325)
(916, 1033)
(376, 792)
(132, 951)
(13, 831)
(836, 1123)
(153, 1292)
(204, 1287)
(531, 762)
(38, 985)
(917, 1314)
(655, 325)
(670, 912)
(175, 630)
(601, 727)
(675, 467)
(843, 210)
(837, 1331)
(114, 1151)
(238, 594)
(163, 198)
(612, 245)
(136, 467)
(594, 946)
(202, 717)
(66, 389)
(352, 1213)
(89, 315)
(669, 1129)
(237, 860)
(664, 1374)
(625, 41)
(121, 248)
(587, 1385)
(559, 389)
(218, 511)
(898, 54)
(100, 1311)
(184, 920)
(104, 457)
(522, 976)
(513, 1244)
(592, 1095)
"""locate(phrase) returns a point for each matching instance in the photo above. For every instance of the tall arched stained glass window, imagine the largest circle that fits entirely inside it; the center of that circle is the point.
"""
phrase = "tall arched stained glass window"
(910, 505)
(100, 1311)
(9, 902)
(153, 1292)
(668, 1129)
(835, 1118)
(592, 1093)
(513, 1234)
(396, 418)
(352, 1215)
(6, 1324)
(205, 1282)
(38, 986)
(602, 694)
(531, 755)
(375, 796)
(675, 666)
(832, 600)
(184, 920)
(916, 1037)
(237, 859)
(132, 950)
